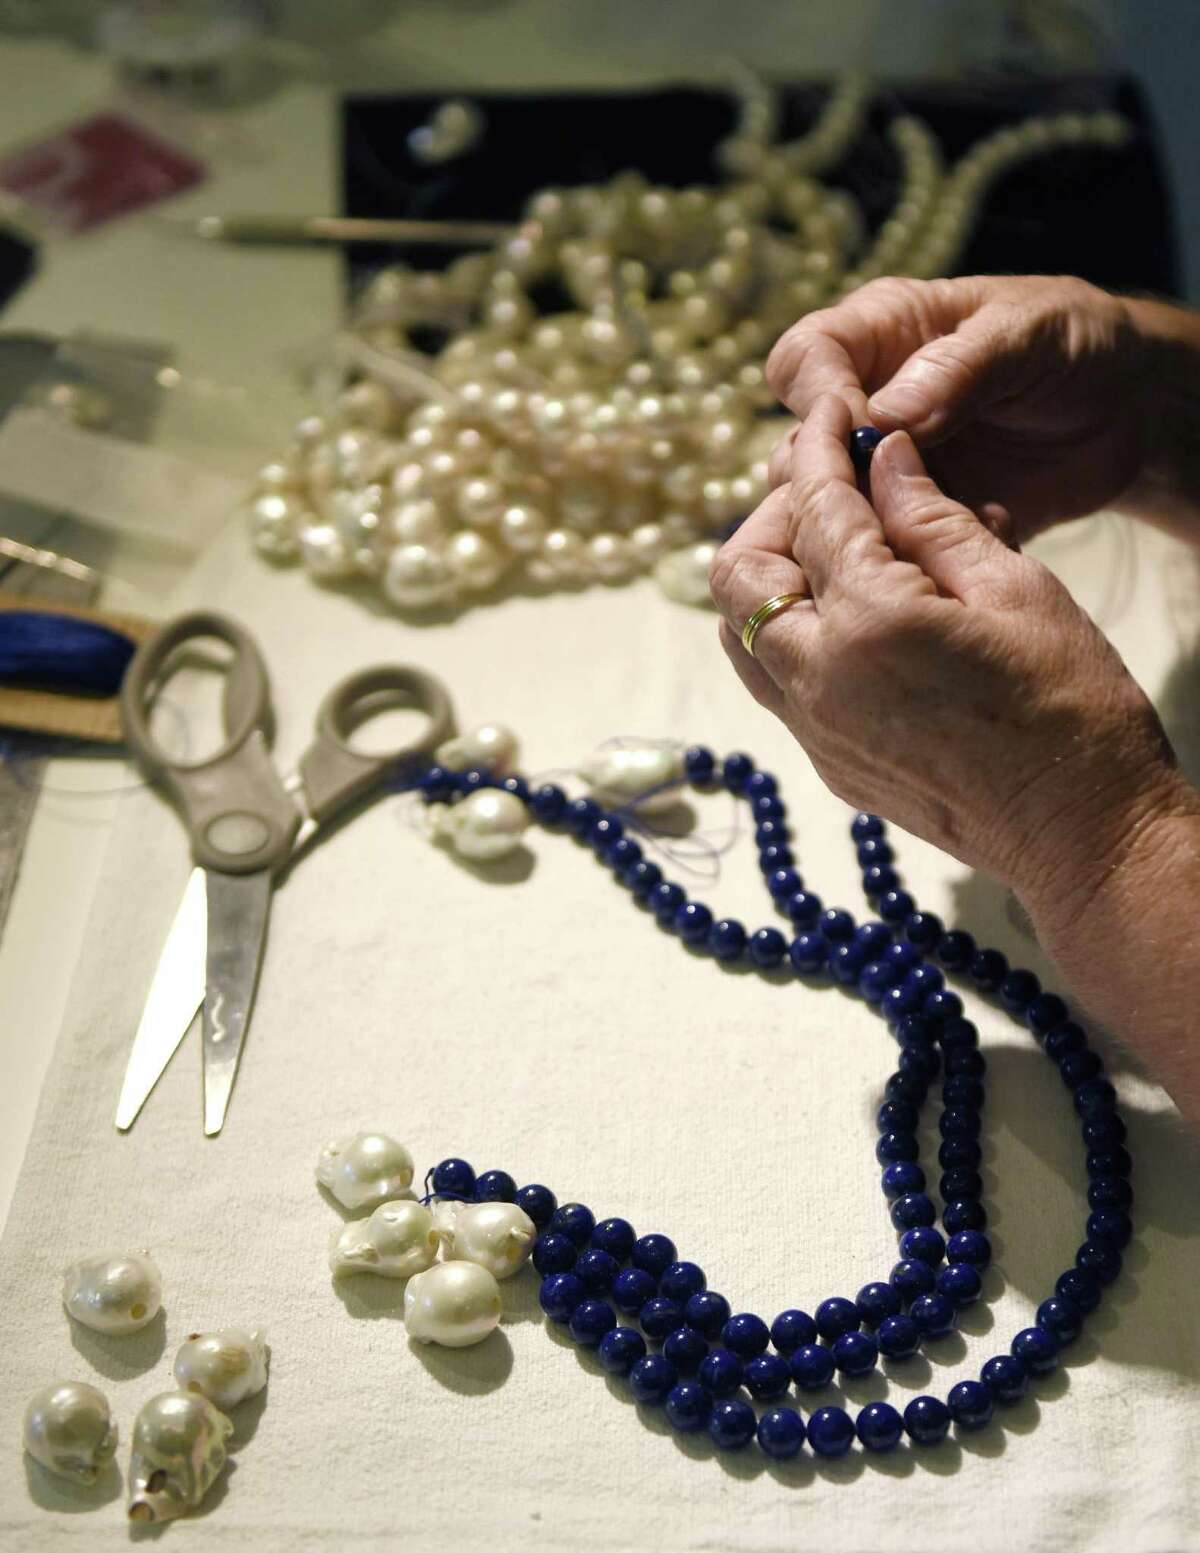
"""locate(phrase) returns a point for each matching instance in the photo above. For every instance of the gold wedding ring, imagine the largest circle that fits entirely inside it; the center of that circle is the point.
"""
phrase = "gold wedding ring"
(764, 612)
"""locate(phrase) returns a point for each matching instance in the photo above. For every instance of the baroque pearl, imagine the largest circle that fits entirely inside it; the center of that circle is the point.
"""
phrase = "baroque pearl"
(683, 574)
(114, 1294)
(325, 553)
(367, 1168)
(634, 774)
(226, 1366)
(453, 1304)
(68, 1429)
(495, 1235)
(398, 1240)
(486, 825)
(417, 576)
(491, 745)
(178, 1450)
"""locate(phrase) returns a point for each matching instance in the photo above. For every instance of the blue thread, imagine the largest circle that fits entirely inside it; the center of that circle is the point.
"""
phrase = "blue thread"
(47, 651)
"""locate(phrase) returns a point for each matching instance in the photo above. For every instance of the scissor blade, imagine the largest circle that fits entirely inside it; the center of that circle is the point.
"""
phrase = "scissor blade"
(237, 925)
(175, 994)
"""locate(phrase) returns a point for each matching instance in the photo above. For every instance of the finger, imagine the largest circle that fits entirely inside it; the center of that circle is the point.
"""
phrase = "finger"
(755, 565)
(779, 465)
(820, 356)
(751, 673)
(923, 525)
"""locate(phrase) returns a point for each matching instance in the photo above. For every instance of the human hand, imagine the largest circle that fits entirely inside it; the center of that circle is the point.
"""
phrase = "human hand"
(937, 677)
(1029, 395)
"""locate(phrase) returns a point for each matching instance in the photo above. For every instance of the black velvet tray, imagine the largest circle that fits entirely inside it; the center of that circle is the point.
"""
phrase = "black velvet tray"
(1101, 213)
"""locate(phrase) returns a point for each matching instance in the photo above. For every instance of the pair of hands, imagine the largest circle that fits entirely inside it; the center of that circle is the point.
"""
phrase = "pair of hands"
(936, 675)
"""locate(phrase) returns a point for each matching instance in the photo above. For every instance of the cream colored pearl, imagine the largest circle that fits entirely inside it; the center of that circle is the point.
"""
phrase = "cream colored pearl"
(491, 746)
(178, 1450)
(275, 522)
(418, 576)
(113, 1294)
(646, 774)
(486, 825)
(454, 1304)
(368, 1167)
(325, 554)
(68, 1429)
(368, 403)
(282, 475)
(398, 1240)
(677, 529)
(683, 574)
(495, 1235)
(610, 556)
(563, 553)
(226, 1366)
(476, 563)
(480, 502)
(522, 528)
(415, 523)
(647, 542)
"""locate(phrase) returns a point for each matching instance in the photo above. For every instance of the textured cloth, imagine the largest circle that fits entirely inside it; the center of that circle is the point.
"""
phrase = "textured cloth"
(529, 1017)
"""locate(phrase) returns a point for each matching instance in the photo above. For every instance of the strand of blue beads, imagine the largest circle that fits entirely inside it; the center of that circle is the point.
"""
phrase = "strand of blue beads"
(588, 1268)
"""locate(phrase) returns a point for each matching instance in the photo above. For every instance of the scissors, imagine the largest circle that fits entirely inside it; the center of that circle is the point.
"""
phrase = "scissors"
(246, 823)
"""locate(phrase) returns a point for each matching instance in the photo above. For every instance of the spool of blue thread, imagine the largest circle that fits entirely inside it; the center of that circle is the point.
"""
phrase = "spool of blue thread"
(40, 650)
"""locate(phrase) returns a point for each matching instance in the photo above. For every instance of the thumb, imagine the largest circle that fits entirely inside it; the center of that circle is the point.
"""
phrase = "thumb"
(942, 384)
(962, 556)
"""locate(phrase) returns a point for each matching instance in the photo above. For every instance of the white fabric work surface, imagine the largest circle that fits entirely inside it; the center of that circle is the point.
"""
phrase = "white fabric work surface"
(542, 1024)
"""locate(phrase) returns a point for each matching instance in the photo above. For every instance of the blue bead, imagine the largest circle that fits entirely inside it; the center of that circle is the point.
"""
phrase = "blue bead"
(988, 969)
(922, 1244)
(621, 855)
(898, 1002)
(767, 1376)
(680, 1281)
(835, 1316)
(453, 1178)
(965, 1060)
(699, 764)
(654, 1253)
(604, 832)
(559, 1294)
(958, 1216)
(855, 1353)
(632, 1288)
(924, 930)
(1111, 1161)
(692, 922)
(783, 883)
(836, 925)
(1061, 1317)
(495, 1186)
(721, 1372)
(774, 856)
(554, 1253)
(925, 979)
(830, 1432)
(597, 1269)
(727, 939)
(1100, 1258)
(688, 1406)
(879, 879)
(906, 1086)
(780, 1433)
(439, 784)
(768, 947)
(865, 827)
(620, 1350)
(809, 954)
(811, 1366)
(961, 1090)
(1037, 1350)
(614, 1236)
(707, 1312)
(665, 900)
(769, 833)
(875, 978)
(902, 1177)
(685, 1347)
(735, 770)
(969, 1245)
(1079, 1286)
(875, 1302)
(912, 1210)
(745, 1334)
(641, 878)
(846, 962)
(960, 1283)
(927, 1420)
(652, 1378)
(1077, 1066)
(732, 1425)
(573, 1219)
(1045, 1012)
(792, 1329)
(1109, 1192)
(896, 906)
(1063, 1041)
(539, 1202)
(1018, 990)
(590, 1320)
(863, 442)
(658, 1316)
(970, 1404)
(804, 909)
(873, 936)
(902, 955)
(766, 807)
(760, 784)
(912, 1279)
(1110, 1225)
(960, 1183)
(958, 1035)
(548, 803)
(942, 1006)
(898, 1337)
(879, 1426)
(477, 777)
(897, 1116)
(893, 1146)
(872, 851)
(581, 814)
(1102, 1132)
(956, 950)
(933, 1315)
(921, 1061)
(959, 1121)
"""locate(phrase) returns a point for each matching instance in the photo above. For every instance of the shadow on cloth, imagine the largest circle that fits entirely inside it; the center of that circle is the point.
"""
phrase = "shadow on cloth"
(55, 1493)
(125, 1356)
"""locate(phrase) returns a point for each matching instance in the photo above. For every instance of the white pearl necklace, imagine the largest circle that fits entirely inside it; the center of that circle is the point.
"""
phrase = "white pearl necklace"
(625, 434)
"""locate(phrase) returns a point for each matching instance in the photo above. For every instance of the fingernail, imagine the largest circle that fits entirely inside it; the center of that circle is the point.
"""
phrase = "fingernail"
(900, 402)
(900, 452)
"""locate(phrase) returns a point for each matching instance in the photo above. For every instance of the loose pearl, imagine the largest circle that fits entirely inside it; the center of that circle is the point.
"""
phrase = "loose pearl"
(280, 476)
(610, 556)
(683, 574)
(415, 523)
(325, 554)
(114, 1294)
(275, 521)
(398, 1240)
(491, 746)
(522, 528)
(367, 1168)
(454, 1304)
(475, 562)
(226, 1366)
(178, 1450)
(628, 774)
(495, 1235)
(68, 1429)
(418, 576)
(486, 825)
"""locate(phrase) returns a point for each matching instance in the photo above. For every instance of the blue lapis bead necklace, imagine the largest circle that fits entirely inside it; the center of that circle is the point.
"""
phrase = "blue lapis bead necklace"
(649, 1315)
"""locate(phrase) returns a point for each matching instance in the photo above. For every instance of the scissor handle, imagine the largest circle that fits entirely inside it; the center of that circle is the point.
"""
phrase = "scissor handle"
(238, 815)
(333, 772)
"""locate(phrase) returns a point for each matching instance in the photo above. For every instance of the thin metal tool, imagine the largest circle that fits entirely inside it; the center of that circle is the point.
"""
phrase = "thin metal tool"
(342, 230)
(246, 823)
